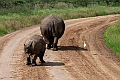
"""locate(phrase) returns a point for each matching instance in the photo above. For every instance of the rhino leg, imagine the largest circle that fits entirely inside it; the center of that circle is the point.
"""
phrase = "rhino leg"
(28, 61)
(55, 48)
(48, 46)
(41, 57)
(33, 61)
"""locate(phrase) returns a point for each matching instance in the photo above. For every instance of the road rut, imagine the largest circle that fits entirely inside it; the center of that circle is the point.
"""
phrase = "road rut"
(71, 61)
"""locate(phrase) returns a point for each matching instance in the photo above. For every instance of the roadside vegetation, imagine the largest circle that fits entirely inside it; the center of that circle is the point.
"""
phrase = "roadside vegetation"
(16, 14)
(112, 38)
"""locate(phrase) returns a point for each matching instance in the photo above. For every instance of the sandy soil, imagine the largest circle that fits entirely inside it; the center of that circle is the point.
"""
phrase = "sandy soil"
(71, 62)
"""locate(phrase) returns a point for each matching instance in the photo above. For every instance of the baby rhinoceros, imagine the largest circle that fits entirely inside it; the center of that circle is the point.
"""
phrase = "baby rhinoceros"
(34, 47)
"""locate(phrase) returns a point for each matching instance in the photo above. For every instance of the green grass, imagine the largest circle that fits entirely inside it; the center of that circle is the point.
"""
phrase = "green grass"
(112, 38)
(16, 18)
(4, 31)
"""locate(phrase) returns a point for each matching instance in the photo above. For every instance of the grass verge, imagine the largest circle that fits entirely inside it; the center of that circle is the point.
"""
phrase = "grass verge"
(4, 31)
(112, 38)
(12, 20)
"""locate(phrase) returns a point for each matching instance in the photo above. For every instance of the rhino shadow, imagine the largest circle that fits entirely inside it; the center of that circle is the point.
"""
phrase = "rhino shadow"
(63, 48)
(52, 64)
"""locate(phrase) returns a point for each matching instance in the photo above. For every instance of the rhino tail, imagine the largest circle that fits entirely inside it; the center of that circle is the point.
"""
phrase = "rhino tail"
(32, 45)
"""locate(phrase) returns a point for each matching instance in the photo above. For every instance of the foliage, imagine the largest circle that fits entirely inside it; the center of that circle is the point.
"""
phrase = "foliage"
(4, 31)
(16, 14)
(32, 4)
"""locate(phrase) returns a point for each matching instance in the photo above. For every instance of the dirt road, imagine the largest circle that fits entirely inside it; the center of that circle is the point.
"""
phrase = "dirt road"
(71, 61)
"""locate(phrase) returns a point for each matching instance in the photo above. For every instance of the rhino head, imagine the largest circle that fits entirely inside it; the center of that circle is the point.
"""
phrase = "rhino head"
(27, 48)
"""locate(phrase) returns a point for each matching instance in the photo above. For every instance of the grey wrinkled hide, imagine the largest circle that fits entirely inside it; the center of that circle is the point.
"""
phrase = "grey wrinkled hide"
(52, 28)
(34, 47)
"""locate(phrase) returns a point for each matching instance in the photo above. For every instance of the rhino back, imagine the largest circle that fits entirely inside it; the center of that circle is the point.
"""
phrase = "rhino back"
(38, 44)
(52, 26)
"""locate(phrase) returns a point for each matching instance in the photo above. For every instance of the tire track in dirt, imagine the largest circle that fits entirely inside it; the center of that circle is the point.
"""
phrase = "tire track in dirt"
(7, 59)
(90, 63)
(12, 56)
(71, 62)
(98, 49)
(56, 72)
(105, 64)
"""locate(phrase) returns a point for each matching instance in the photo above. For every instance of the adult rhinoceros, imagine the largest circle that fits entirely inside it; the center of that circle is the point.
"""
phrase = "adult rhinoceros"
(52, 28)
(34, 47)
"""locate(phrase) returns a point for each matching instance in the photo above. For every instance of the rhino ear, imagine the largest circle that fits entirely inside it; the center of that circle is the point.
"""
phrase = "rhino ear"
(24, 45)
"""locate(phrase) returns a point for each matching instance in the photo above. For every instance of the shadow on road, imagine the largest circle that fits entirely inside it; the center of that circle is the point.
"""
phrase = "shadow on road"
(63, 48)
(52, 64)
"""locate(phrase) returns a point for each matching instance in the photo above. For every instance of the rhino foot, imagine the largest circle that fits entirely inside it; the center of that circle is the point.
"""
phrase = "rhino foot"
(28, 63)
(48, 46)
(55, 49)
(33, 64)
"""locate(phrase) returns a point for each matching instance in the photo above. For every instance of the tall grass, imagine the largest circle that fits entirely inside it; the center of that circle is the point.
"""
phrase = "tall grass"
(112, 38)
(16, 18)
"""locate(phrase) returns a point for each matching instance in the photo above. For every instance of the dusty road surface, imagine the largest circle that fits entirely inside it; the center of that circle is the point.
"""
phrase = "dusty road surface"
(71, 61)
